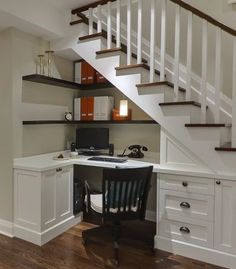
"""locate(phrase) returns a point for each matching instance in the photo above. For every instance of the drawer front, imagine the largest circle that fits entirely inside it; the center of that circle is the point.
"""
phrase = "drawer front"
(178, 205)
(201, 235)
(187, 184)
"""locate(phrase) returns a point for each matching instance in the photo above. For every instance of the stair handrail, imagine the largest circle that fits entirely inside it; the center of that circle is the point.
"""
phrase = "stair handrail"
(181, 3)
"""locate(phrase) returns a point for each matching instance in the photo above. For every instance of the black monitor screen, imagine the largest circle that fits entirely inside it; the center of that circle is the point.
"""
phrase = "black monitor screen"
(92, 138)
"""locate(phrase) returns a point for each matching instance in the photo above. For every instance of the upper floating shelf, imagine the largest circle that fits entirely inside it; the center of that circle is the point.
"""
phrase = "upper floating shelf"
(39, 122)
(65, 83)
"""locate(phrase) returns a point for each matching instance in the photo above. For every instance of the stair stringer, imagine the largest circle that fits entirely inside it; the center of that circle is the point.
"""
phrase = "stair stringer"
(202, 150)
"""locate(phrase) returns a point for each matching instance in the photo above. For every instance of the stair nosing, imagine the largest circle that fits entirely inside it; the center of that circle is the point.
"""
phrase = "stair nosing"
(209, 125)
(184, 103)
(76, 22)
(101, 34)
(167, 83)
(227, 148)
(118, 49)
(142, 65)
(108, 50)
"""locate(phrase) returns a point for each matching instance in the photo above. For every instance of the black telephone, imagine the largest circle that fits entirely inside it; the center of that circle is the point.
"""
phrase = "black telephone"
(135, 151)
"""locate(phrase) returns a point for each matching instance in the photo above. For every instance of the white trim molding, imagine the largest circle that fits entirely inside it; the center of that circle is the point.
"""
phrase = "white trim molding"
(204, 254)
(6, 228)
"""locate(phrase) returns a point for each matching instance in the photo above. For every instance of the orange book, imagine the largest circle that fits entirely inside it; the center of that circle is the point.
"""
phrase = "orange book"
(90, 108)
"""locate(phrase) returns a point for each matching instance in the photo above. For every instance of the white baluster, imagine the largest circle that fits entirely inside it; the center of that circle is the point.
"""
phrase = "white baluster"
(128, 32)
(218, 75)
(234, 98)
(189, 56)
(118, 24)
(152, 40)
(109, 25)
(204, 72)
(177, 49)
(139, 38)
(163, 40)
(99, 16)
(90, 21)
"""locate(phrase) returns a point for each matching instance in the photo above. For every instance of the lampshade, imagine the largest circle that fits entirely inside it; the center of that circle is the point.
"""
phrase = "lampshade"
(123, 107)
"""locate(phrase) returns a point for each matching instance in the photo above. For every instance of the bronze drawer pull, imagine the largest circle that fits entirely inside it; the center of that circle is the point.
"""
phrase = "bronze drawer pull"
(185, 205)
(184, 230)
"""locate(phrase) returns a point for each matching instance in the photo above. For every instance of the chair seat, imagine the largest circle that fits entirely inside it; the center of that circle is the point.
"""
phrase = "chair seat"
(97, 205)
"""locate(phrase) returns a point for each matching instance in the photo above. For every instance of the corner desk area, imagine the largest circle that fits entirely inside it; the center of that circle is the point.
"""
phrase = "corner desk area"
(189, 210)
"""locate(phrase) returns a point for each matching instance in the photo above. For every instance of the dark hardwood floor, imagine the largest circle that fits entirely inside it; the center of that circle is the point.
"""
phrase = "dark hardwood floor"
(67, 252)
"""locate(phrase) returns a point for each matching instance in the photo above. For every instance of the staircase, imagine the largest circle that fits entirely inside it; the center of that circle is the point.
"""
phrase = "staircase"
(196, 131)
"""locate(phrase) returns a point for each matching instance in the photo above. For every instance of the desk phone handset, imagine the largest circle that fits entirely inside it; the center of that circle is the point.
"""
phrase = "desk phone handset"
(135, 151)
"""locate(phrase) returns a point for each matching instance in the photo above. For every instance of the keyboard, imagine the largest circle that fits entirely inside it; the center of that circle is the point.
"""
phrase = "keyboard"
(105, 159)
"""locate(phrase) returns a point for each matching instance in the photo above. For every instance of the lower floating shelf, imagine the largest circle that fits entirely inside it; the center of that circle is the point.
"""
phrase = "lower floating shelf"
(38, 122)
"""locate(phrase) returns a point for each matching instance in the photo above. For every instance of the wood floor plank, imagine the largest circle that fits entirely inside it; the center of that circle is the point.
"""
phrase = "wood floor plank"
(67, 252)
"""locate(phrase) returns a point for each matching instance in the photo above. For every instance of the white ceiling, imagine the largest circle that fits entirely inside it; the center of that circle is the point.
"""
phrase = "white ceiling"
(69, 4)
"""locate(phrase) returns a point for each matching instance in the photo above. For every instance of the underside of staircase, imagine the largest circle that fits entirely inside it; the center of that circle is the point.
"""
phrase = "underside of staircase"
(186, 142)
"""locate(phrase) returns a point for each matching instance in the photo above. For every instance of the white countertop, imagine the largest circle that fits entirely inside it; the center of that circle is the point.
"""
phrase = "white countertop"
(44, 162)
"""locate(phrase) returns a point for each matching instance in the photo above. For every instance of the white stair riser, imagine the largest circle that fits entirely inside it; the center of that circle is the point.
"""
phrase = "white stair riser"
(145, 74)
(162, 89)
(188, 110)
(122, 57)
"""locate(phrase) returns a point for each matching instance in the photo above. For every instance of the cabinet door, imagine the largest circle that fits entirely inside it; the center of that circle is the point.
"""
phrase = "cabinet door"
(49, 199)
(225, 216)
(64, 193)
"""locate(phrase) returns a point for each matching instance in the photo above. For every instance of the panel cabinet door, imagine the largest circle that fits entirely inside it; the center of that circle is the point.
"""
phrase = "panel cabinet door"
(225, 216)
(64, 193)
(49, 217)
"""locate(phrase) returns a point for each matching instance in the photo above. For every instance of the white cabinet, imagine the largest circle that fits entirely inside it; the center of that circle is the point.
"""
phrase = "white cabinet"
(57, 200)
(186, 206)
(43, 203)
(225, 216)
(103, 106)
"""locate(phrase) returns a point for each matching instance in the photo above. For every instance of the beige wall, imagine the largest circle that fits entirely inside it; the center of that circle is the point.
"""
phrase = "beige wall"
(6, 146)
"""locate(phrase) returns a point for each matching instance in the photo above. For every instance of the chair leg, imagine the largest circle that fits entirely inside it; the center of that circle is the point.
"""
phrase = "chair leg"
(116, 236)
(116, 259)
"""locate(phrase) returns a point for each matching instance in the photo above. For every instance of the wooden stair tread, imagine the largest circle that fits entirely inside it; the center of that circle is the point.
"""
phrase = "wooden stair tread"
(122, 49)
(207, 125)
(183, 103)
(226, 147)
(159, 84)
(91, 36)
(145, 66)
(76, 22)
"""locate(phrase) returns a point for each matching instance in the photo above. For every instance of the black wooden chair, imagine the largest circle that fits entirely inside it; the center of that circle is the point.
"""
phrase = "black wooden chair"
(124, 197)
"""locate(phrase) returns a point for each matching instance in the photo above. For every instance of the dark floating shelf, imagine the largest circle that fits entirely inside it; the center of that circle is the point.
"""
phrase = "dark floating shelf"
(65, 83)
(88, 122)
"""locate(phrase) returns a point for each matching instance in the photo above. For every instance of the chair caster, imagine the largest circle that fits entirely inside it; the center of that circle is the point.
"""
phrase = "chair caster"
(115, 262)
(84, 240)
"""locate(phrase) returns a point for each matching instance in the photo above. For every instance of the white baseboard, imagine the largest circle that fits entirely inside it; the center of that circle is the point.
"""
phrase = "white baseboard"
(6, 228)
(47, 235)
(150, 215)
(207, 255)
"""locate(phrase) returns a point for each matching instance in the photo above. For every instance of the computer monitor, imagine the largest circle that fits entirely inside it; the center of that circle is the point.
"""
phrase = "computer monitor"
(92, 139)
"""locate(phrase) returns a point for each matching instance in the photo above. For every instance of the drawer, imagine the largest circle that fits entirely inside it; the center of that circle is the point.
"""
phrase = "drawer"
(201, 235)
(187, 184)
(178, 205)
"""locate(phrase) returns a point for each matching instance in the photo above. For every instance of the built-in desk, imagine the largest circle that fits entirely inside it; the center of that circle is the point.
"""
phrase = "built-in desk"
(195, 209)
